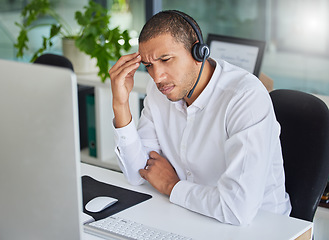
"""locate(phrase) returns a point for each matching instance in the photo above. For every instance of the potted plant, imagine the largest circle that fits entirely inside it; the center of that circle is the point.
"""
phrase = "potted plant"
(94, 38)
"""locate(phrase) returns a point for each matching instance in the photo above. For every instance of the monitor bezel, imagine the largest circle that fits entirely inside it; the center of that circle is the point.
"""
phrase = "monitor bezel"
(242, 41)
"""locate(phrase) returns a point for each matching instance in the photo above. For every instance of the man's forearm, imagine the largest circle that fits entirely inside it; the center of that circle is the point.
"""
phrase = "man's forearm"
(122, 115)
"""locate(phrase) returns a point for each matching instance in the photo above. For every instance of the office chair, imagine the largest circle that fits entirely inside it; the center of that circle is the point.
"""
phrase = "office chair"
(304, 121)
(54, 60)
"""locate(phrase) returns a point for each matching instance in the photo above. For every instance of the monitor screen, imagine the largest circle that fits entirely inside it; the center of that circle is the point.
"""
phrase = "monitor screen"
(244, 53)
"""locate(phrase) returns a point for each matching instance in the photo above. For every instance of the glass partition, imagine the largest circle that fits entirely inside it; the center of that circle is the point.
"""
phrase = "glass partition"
(296, 34)
(124, 13)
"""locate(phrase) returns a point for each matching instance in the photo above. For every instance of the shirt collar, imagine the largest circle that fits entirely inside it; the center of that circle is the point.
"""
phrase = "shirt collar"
(205, 95)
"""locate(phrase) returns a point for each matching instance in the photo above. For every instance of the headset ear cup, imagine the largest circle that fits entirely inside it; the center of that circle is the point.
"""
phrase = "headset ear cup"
(199, 51)
(196, 52)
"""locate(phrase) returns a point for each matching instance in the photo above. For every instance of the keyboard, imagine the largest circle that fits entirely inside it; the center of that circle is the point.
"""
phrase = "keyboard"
(118, 228)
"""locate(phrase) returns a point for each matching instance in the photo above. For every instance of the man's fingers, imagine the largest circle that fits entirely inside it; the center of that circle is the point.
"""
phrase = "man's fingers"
(131, 68)
(124, 69)
(143, 173)
(124, 59)
(149, 162)
(154, 154)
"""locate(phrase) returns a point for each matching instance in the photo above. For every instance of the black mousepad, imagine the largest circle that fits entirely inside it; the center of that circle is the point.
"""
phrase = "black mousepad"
(92, 188)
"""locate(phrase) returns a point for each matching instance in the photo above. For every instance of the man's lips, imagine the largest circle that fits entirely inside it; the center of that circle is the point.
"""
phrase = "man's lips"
(166, 89)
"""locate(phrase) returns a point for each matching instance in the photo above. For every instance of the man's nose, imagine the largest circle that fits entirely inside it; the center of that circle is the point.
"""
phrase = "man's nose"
(158, 74)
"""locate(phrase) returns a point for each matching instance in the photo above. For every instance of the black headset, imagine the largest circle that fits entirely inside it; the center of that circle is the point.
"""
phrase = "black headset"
(200, 50)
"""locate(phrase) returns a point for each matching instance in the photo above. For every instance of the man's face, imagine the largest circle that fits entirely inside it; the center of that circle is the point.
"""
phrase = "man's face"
(170, 65)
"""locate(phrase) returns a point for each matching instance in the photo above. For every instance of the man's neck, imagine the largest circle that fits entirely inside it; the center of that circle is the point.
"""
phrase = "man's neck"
(206, 75)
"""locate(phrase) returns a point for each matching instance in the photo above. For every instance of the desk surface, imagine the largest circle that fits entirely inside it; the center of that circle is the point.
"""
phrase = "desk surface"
(158, 212)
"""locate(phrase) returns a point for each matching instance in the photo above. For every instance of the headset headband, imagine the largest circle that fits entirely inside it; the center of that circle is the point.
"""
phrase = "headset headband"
(192, 25)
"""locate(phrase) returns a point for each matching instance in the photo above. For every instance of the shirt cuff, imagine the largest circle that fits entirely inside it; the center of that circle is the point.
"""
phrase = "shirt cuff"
(125, 135)
(180, 192)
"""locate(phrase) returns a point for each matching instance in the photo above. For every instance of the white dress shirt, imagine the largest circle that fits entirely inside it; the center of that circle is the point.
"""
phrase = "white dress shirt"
(224, 147)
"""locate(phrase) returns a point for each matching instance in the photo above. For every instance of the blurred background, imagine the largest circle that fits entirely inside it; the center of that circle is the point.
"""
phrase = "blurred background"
(295, 31)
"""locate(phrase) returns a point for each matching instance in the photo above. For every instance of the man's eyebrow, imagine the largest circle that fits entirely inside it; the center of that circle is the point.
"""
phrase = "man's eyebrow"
(145, 63)
(159, 58)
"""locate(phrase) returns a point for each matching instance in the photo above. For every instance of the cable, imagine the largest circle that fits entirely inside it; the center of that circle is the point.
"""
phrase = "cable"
(192, 90)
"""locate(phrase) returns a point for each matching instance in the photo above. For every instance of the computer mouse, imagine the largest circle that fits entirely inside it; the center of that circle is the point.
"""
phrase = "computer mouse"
(98, 204)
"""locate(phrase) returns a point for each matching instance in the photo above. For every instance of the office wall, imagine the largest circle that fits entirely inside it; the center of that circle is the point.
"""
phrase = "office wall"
(296, 32)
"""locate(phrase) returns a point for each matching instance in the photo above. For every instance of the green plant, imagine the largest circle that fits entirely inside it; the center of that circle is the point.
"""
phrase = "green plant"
(95, 38)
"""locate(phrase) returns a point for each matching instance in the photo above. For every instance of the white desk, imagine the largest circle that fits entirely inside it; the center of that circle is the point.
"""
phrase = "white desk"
(158, 212)
(321, 223)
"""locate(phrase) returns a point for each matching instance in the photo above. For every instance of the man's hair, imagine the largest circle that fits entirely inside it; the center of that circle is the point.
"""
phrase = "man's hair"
(169, 22)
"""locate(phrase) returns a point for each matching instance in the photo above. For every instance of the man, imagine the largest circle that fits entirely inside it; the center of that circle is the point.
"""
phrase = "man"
(216, 152)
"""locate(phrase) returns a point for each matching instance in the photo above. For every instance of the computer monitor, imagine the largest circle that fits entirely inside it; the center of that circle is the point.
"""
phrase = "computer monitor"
(245, 53)
(40, 180)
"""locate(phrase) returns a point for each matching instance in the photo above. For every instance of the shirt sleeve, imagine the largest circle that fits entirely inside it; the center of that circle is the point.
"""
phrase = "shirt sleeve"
(129, 152)
(133, 145)
(249, 149)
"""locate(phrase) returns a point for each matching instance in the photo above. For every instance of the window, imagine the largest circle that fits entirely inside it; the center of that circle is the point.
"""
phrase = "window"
(130, 15)
(125, 14)
(296, 33)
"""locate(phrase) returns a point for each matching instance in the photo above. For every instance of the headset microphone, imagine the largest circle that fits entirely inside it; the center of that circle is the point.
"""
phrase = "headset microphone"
(203, 61)
(200, 51)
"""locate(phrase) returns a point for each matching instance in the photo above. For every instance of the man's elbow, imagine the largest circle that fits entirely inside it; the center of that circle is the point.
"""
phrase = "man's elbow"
(238, 218)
